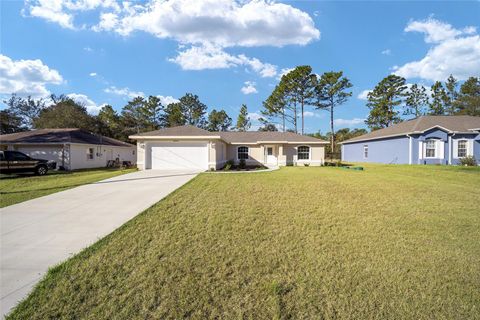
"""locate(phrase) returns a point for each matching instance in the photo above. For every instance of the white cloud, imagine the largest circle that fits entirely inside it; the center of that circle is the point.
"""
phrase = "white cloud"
(437, 31)
(63, 12)
(254, 116)
(213, 57)
(85, 101)
(26, 77)
(93, 74)
(309, 114)
(453, 51)
(126, 92)
(283, 72)
(387, 52)
(166, 100)
(348, 122)
(363, 95)
(249, 88)
(211, 24)
(223, 23)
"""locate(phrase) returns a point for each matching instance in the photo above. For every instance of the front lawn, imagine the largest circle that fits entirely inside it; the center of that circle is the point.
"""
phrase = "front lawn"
(19, 188)
(390, 242)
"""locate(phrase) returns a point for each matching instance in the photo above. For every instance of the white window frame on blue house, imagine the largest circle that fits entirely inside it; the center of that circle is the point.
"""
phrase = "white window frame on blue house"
(439, 152)
(365, 151)
(468, 148)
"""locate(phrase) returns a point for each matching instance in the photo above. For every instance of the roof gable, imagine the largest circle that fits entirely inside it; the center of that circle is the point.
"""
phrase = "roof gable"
(179, 131)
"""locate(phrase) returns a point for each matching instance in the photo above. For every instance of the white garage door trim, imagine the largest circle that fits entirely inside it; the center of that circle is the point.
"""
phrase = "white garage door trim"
(179, 155)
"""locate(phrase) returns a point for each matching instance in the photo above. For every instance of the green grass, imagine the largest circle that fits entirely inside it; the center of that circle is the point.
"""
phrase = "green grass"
(19, 188)
(391, 242)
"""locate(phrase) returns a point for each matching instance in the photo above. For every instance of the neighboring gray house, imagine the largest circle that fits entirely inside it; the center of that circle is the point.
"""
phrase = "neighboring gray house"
(423, 140)
(70, 148)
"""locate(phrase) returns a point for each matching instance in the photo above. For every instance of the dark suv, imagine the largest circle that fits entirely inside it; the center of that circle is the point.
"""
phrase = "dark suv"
(16, 162)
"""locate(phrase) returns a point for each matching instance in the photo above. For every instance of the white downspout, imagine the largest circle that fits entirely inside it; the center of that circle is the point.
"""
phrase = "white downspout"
(450, 148)
(409, 149)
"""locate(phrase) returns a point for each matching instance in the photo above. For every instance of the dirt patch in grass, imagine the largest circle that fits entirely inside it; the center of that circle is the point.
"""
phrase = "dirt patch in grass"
(390, 242)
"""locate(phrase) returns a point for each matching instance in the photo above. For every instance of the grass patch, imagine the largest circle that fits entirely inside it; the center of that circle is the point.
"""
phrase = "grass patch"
(19, 188)
(390, 242)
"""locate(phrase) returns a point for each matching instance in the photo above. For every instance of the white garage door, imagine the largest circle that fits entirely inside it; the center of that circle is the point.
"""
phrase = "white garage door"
(179, 155)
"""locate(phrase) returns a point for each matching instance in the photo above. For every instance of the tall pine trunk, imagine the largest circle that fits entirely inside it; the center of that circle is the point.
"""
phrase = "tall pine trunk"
(302, 102)
(295, 116)
(283, 118)
(332, 136)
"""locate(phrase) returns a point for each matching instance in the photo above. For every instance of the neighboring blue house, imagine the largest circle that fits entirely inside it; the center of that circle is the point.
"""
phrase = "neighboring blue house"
(423, 140)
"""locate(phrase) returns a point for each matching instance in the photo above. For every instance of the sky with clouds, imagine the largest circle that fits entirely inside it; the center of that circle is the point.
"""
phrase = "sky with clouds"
(230, 52)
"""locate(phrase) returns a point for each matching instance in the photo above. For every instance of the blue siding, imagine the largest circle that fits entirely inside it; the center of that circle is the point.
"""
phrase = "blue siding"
(393, 150)
(396, 150)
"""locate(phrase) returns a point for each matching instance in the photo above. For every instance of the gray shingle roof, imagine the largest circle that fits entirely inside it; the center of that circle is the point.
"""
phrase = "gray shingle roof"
(230, 136)
(187, 130)
(71, 135)
(421, 124)
(266, 136)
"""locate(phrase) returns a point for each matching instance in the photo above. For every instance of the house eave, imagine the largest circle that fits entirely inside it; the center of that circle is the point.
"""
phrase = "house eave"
(136, 137)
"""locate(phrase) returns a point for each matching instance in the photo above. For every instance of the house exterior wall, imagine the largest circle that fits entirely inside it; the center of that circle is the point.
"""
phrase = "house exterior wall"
(220, 152)
(396, 150)
(74, 156)
(219, 155)
(255, 154)
(286, 154)
(392, 151)
(102, 153)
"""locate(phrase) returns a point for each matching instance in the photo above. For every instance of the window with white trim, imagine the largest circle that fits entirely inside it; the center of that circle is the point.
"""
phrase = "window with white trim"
(303, 153)
(462, 148)
(242, 153)
(90, 153)
(430, 148)
(365, 151)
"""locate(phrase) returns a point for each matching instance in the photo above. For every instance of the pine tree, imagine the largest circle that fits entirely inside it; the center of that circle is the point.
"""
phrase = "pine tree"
(416, 100)
(439, 96)
(243, 121)
(330, 92)
(219, 121)
(383, 101)
(451, 95)
(468, 101)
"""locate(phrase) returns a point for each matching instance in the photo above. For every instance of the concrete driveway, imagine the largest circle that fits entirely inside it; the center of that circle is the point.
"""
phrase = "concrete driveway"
(42, 232)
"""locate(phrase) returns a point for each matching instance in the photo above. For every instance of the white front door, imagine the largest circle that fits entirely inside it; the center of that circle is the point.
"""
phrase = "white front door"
(270, 155)
(179, 155)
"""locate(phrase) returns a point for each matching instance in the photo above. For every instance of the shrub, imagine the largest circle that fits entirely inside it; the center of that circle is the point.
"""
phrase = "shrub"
(242, 164)
(468, 161)
(306, 164)
(228, 165)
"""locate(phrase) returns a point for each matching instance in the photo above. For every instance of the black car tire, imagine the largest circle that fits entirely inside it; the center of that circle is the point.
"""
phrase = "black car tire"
(41, 170)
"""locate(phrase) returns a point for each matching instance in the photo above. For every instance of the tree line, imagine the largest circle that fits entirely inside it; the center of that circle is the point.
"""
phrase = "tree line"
(392, 97)
(390, 102)
(138, 115)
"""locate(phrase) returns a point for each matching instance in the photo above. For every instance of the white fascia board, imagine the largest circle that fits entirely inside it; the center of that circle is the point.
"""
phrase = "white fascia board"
(135, 137)
(309, 142)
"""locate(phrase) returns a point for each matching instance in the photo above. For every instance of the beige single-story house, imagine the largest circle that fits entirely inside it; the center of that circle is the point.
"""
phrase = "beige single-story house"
(71, 149)
(188, 147)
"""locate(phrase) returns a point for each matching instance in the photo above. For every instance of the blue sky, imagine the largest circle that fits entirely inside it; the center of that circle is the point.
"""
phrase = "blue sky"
(107, 51)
